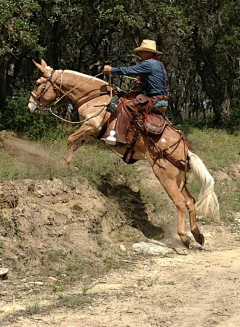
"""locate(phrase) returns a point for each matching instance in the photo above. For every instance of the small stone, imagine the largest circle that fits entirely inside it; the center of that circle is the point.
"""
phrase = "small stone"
(36, 283)
(3, 272)
(52, 279)
(122, 247)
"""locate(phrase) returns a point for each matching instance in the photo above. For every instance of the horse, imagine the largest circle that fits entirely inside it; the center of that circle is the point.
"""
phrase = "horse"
(91, 95)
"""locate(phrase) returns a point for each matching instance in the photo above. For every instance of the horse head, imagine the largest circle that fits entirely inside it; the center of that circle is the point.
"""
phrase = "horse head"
(45, 90)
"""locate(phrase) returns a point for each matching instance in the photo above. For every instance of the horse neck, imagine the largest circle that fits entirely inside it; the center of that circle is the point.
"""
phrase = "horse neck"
(77, 85)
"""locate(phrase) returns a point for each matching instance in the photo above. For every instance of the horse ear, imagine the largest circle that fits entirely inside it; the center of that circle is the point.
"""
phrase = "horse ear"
(40, 67)
(43, 63)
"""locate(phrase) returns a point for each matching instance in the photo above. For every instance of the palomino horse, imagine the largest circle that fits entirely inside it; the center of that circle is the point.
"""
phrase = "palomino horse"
(91, 95)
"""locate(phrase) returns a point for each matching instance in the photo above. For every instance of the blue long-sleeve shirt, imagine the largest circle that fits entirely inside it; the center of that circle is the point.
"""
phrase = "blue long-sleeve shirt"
(155, 80)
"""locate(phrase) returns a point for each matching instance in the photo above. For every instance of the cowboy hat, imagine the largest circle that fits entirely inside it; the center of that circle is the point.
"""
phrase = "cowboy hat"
(147, 45)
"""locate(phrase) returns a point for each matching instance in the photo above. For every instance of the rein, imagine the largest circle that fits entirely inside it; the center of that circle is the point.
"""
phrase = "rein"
(82, 102)
(75, 87)
(79, 103)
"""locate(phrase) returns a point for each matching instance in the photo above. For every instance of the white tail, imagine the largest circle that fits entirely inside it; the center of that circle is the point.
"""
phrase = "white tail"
(207, 202)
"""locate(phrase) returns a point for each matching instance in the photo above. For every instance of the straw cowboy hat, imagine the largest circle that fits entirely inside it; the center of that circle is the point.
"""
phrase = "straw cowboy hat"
(147, 45)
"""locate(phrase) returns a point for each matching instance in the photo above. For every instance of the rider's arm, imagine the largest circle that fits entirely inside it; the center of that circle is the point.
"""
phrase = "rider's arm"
(143, 67)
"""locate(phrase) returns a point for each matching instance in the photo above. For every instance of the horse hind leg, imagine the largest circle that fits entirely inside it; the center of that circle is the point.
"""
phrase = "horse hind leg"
(172, 189)
(190, 203)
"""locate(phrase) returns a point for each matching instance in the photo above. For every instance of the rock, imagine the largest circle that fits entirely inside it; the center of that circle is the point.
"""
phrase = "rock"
(122, 248)
(53, 279)
(3, 272)
(36, 283)
(151, 248)
(156, 242)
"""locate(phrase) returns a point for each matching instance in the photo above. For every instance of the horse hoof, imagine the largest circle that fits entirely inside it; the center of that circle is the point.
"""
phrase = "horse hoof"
(200, 239)
(187, 242)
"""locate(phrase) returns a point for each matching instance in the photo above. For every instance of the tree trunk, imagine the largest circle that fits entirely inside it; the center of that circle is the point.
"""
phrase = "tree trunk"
(3, 85)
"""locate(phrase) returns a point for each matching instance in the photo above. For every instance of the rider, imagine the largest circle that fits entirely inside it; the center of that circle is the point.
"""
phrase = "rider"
(153, 75)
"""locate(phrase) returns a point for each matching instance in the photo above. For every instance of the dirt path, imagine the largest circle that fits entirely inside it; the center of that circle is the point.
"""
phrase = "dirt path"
(201, 288)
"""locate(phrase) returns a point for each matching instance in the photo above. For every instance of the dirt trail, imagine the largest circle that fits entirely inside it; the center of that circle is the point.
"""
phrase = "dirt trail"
(200, 288)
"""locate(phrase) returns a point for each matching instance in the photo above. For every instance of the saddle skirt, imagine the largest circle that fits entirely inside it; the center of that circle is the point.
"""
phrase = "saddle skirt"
(154, 124)
(136, 114)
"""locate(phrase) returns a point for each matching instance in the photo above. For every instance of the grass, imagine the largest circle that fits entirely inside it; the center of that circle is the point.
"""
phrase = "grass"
(215, 147)
(77, 301)
(228, 196)
(98, 163)
(5, 222)
(68, 268)
(34, 308)
(93, 161)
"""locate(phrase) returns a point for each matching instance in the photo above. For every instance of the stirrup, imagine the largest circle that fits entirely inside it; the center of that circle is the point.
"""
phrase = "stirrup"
(111, 139)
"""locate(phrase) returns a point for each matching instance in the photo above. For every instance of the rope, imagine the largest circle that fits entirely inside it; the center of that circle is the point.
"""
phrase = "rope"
(85, 120)
(78, 122)
(64, 95)
(75, 87)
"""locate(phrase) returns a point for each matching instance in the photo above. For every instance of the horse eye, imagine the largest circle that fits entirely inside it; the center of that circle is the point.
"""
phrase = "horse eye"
(38, 84)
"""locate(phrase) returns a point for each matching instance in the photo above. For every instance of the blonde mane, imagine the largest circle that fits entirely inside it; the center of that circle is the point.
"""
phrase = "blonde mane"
(85, 75)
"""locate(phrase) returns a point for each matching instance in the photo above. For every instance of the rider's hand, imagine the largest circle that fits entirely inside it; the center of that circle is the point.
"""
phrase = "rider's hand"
(136, 82)
(107, 69)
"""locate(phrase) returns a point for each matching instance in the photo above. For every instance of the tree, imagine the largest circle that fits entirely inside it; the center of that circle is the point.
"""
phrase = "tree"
(200, 41)
(215, 44)
(19, 38)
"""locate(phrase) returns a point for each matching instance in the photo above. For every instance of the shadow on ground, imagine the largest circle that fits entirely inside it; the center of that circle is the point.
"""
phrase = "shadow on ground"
(133, 207)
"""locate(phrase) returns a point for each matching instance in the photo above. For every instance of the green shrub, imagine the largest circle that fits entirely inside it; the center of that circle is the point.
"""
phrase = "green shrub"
(232, 124)
(16, 117)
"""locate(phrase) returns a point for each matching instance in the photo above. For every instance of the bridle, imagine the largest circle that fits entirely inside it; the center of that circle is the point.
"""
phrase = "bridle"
(45, 89)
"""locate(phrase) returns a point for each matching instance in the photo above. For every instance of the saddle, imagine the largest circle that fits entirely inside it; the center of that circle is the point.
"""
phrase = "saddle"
(137, 111)
(134, 116)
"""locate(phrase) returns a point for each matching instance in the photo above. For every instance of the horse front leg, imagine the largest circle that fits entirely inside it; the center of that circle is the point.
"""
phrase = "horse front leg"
(74, 139)
(192, 215)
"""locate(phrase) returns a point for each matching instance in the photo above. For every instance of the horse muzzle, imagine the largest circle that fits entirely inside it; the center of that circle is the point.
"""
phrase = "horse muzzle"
(32, 105)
